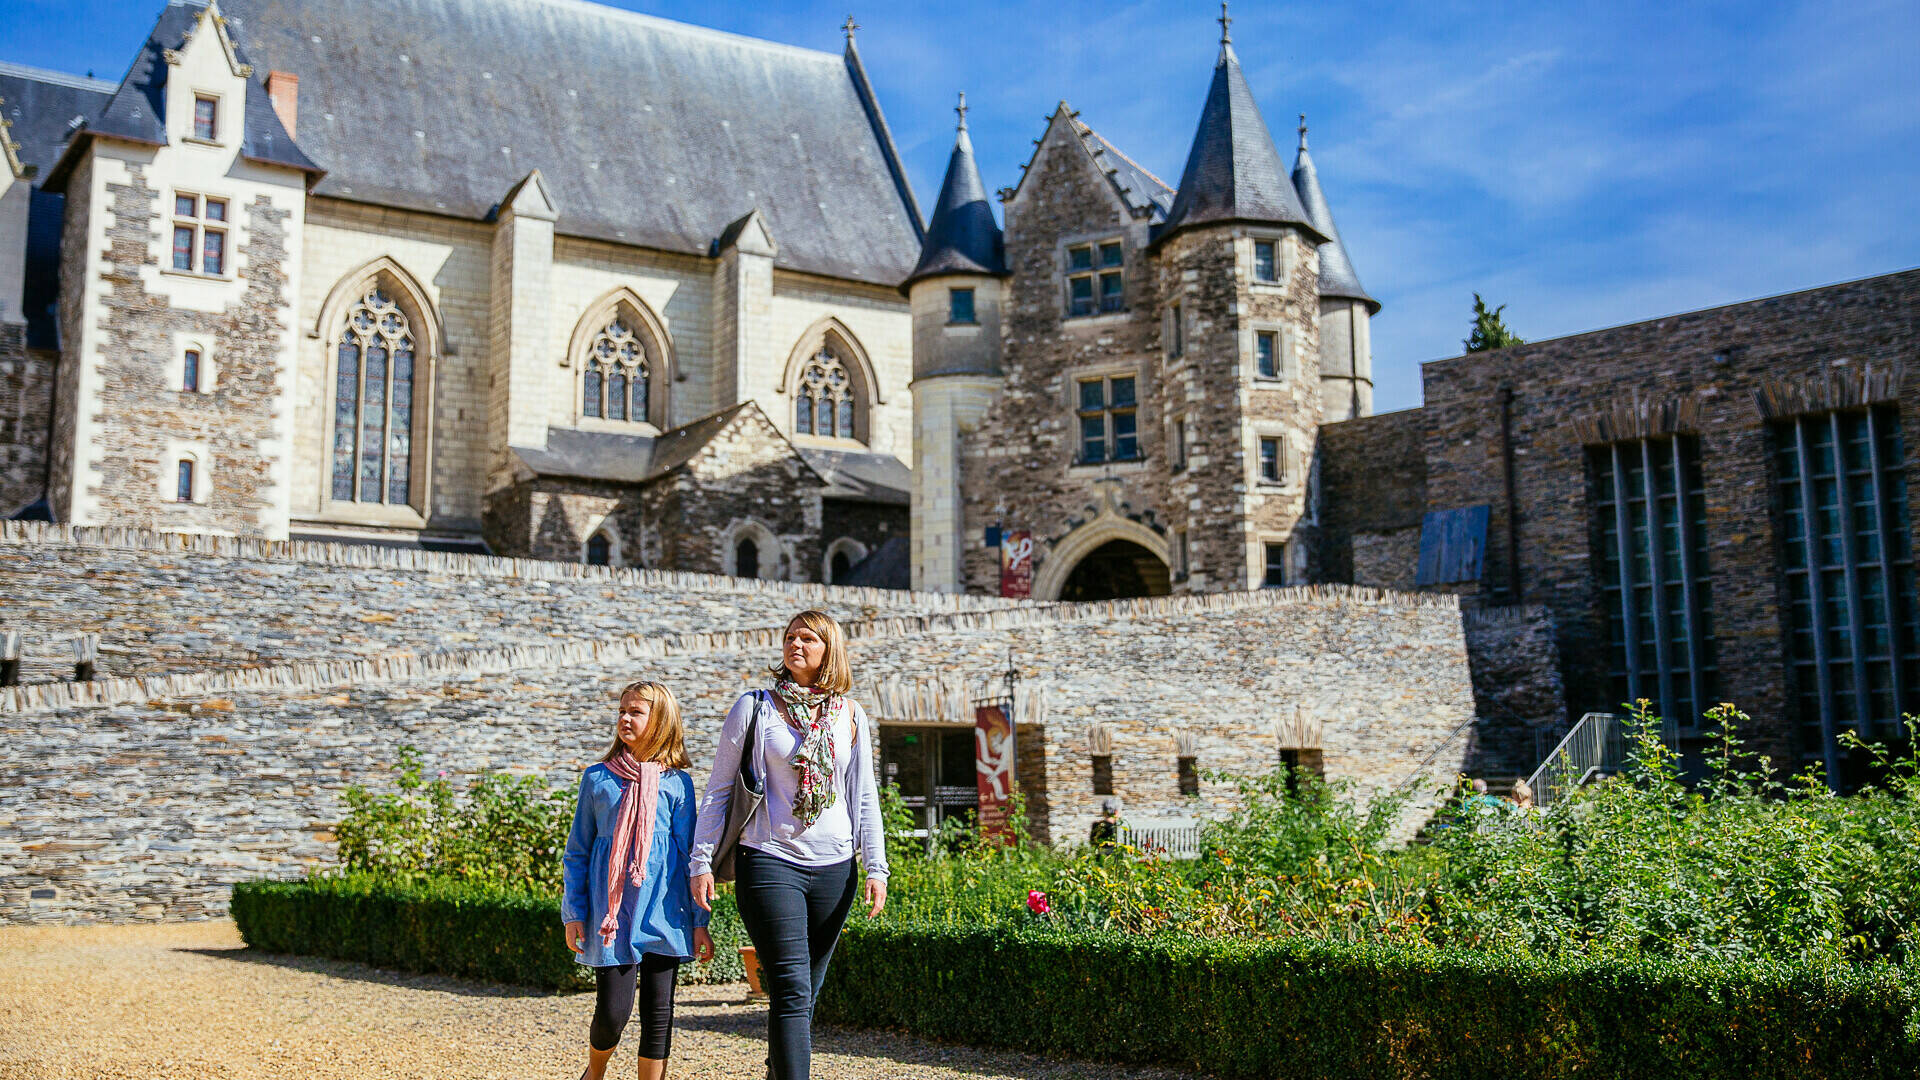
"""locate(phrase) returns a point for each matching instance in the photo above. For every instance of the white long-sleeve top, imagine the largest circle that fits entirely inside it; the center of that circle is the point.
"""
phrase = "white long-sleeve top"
(852, 821)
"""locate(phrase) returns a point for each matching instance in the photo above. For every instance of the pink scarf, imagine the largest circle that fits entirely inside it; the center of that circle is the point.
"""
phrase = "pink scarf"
(631, 839)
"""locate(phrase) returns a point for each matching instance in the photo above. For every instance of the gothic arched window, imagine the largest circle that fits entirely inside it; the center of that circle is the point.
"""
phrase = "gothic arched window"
(599, 550)
(824, 402)
(373, 403)
(618, 381)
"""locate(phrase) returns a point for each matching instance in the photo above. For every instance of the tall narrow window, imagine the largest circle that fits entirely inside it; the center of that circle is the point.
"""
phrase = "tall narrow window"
(825, 402)
(1265, 266)
(1276, 569)
(599, 550)
(1649, 504)
(842, 565)
(960, 305)
(183, 488)
(1176, 333)
(617, 380)
(1181, 555)
(746, 559)
(1849, 574)
(1273, 461)
(1109, 420)
(1177, 453)
(1266, 353)
(190, 371)
(1189, 775)
(373, 403)
(206, 117)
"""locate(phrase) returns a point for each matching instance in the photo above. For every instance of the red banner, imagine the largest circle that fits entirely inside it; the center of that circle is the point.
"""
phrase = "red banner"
(1016, 564)
(993, 760)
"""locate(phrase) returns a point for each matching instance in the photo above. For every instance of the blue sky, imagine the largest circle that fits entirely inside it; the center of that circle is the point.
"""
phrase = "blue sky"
(1585, 165)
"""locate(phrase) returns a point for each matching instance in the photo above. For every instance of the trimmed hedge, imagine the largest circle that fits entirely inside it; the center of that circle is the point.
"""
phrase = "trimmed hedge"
(1299, 1008)
(442, 926)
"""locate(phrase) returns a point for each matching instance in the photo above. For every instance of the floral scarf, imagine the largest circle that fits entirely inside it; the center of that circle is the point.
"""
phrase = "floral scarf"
(814, 760)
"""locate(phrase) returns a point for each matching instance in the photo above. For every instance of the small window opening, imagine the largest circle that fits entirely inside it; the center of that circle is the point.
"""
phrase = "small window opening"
(842, 565)
(190, 371)
(599, 550)
(1265, 266)
(206, 115)
(1103, 774)
(1276, 576)
(1272, 462)
(746, 559)
(960, 305)
(184, 491)
(1266, 353)
(1189, 775)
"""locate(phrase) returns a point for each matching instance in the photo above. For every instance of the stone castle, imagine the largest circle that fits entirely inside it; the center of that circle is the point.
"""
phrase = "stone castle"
(267, 287)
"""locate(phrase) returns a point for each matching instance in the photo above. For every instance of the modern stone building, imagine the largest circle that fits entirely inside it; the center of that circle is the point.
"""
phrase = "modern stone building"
(632, 301)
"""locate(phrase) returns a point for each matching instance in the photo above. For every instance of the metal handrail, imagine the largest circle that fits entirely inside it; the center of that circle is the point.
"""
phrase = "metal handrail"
(1597, 745)
(1420, 770)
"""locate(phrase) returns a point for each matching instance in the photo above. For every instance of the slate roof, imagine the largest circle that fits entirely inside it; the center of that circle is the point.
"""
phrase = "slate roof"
(137, 109)
(889, 566)
(40, 107)
(860, 476)
(1142, 190)
(591, 455)
(1234, 172)
(648, 132)
(962, 236)
(1337, 277)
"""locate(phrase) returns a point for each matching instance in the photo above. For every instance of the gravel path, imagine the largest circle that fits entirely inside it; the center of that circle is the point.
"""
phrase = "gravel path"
(187, 1000)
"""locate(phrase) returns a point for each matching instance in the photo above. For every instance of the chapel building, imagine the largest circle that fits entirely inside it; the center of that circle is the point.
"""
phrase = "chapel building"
(539, 277)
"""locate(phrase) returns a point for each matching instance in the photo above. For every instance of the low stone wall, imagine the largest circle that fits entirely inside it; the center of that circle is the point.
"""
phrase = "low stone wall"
(151, 807)
(166, 603)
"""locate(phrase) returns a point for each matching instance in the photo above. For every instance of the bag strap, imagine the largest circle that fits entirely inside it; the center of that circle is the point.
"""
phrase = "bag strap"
(750, 744)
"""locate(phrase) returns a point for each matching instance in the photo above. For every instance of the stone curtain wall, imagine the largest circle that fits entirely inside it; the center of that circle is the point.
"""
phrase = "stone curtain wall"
(151, 809)
(1517, 689)
(26, 405)
(166, 603)
(1713, 363)
(1373, 493)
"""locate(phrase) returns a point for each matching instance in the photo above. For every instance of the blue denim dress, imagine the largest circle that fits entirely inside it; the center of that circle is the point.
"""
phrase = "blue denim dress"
(660, 915)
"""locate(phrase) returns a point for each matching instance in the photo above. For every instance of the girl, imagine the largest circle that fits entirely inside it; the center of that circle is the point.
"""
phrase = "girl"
(627, 904)
(795, 878)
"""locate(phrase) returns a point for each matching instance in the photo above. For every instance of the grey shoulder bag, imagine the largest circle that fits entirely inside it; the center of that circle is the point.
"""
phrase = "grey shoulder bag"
(749, 791)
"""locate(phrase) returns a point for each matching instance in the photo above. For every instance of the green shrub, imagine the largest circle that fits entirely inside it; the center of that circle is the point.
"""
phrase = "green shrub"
(1295, 1007)
(442, 926)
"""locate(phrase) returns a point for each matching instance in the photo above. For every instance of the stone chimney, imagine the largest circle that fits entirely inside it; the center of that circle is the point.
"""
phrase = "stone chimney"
(283, 87)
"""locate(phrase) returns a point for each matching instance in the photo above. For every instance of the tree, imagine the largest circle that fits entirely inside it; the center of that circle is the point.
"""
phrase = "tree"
(1488, 331)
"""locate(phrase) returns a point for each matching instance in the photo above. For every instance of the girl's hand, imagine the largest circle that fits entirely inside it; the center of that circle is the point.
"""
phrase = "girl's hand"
(703, 891)
(876, 896)
(577, 936)
(702, 944)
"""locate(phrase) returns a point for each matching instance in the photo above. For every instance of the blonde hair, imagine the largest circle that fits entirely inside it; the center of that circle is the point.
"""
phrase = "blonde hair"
(836, 674)
(665, 739)
(1522, 793)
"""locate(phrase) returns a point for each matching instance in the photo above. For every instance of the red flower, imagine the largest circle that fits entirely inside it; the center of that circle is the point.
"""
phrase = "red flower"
(1037, 902)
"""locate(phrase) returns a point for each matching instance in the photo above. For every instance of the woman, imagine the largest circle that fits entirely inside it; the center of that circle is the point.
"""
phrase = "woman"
(625, 877)
(795, 875)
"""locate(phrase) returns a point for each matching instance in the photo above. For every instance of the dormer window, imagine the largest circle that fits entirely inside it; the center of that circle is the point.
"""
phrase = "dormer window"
(1094, 278)
(199, 234)
(206, 117)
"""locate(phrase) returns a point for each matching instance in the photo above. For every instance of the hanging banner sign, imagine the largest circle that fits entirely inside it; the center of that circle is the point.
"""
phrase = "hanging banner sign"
(1016, 564)
(993, 760)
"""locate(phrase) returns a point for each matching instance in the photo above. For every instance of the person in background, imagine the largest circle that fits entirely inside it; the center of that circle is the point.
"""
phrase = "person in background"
(1523, 796)
(626, 900)
(1106, 828)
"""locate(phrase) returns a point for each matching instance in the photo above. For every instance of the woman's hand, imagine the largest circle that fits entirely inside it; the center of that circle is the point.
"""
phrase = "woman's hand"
(702, 944)
(703, 891)
(876, 896)
(577, 936)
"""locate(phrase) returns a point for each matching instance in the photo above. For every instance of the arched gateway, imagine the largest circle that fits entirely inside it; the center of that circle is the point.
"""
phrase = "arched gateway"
(1110, 558)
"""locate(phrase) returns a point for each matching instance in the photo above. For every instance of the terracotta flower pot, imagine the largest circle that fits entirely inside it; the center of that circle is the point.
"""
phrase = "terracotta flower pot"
(750, 960)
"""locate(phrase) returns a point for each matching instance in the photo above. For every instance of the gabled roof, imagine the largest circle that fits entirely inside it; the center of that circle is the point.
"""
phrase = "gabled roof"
(1337, 277)
(41, 107)
(137, 110)
(648, 132)
(1234, 172)
(963, 237)
(635, 459)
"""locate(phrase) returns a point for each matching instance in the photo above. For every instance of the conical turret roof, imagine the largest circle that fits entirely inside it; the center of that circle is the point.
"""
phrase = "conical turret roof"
(1337, 277)
(963, 237)
(1234, 172)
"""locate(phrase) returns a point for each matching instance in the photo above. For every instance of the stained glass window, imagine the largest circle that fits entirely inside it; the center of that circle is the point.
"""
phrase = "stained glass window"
(825, 402)
(1649, 508)
(373, 403)
(1849, 574)
(618, 379)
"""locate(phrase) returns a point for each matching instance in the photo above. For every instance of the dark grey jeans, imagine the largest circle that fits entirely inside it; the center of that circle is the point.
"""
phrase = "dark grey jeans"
(794, 914)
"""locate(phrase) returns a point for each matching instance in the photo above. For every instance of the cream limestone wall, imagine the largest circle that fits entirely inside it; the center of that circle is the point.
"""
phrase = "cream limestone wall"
(13, 241)
(946, 408)
(878, 317)
(679, 290)
(449, 260)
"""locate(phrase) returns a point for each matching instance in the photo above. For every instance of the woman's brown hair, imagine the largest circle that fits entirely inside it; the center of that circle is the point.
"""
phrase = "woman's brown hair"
(836, 674)
(665, 739)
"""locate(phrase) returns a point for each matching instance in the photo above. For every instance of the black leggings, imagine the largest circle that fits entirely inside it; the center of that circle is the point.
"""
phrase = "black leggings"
(793, 914)
(613, 1004)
